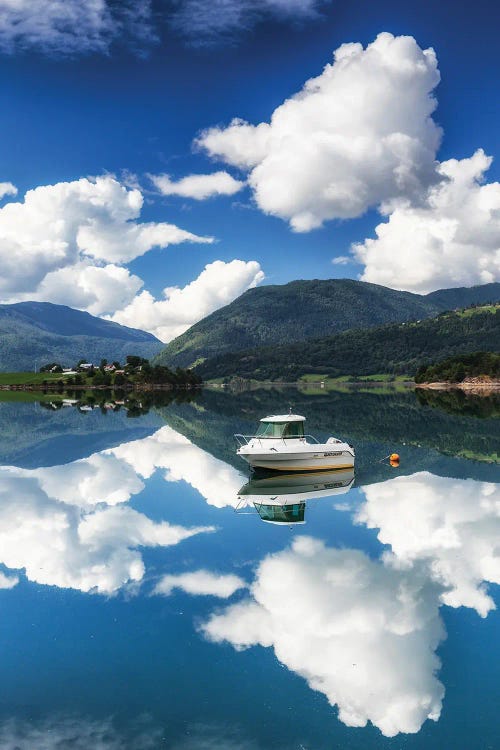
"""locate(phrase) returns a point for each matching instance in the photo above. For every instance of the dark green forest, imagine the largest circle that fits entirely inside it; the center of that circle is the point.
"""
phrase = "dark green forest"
(393, 349)
(304, 310)
(456, 369)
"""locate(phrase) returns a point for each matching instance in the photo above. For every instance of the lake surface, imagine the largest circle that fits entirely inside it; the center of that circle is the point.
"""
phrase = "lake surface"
(145, 603)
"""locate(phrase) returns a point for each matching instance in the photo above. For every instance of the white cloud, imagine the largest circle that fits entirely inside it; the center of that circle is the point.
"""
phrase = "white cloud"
(217, 285)
(99, 478)
(67, 526)
(198, 186)
(452, 525)
(452, 240)
(96, 289)
(7, 188)
(117, 526)
(68, 27)
(201, 583)
(64, 241)
(216, 481)
(72, 27)
(362, 633)
(359, 135)
(207, 21)
(341, 260)
(8, 582)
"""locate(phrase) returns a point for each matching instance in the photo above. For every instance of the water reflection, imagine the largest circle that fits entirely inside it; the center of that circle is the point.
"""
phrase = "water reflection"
(181, 460)
(70, 526)
(452, 525)
(354, 606)
(360, 631)
(279, 498)
(79, 733)
(347, 623)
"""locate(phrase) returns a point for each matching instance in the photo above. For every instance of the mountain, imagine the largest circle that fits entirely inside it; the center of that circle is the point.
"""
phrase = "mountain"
(391, 349)
(450, 299)
(33, 333)
(304, 310)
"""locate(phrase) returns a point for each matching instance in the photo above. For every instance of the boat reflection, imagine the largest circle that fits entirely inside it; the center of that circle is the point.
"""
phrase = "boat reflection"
(281, 499)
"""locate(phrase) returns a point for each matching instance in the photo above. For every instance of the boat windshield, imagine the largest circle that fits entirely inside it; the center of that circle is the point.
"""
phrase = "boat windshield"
(281, 513)
(280, 430)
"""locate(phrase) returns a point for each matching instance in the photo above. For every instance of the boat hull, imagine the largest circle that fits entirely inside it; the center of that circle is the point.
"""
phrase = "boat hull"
(301, 461)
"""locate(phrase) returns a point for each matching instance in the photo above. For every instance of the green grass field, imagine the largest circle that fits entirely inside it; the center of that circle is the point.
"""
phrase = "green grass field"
(474, 310)
(28, 378)
(375, 378)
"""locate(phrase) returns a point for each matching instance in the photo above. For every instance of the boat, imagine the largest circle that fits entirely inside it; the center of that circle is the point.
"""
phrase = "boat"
(280, 444)
(281, 498)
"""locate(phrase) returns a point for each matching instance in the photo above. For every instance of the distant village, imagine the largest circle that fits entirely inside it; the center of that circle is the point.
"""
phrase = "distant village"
(133, 365)
(136, 371)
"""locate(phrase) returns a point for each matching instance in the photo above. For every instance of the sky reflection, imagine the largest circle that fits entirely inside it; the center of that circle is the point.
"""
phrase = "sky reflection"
(355, 603)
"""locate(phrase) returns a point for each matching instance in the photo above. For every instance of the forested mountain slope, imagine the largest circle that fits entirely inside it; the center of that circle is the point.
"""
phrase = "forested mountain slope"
(304, 310)
(395, 349)
(32, 333)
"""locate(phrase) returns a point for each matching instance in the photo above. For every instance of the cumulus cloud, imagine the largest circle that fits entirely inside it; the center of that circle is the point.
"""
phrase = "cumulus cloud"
(216, 481)
(341, 260)
(200, 582)
(96, 289)
(452, 525)
(70, 526)
(8, 582)
(67, 526)
(358, 135)
(7, 188)
(198, 186)
(451, 240)
(65, 243)
(69, 27)
(360, 632)
(209, 21)
(85, 483)
(217, 285)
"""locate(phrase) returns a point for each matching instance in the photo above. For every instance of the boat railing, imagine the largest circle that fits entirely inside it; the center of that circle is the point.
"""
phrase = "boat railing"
(245, 439)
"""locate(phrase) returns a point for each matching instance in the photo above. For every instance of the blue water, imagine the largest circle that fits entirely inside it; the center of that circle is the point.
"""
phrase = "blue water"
(145, 604)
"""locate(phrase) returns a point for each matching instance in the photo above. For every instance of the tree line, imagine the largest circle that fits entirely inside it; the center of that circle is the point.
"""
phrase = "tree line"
(136, 370)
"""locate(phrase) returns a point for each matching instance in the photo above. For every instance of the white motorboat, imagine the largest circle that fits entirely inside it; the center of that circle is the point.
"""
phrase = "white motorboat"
(281, 498)
(280, 444)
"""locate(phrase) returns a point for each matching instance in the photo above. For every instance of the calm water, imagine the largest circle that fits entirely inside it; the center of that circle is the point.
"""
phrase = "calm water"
(146, 604)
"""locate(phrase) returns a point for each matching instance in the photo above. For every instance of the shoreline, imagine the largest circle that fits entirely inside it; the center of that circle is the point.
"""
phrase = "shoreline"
(137, 387)
(480, 387)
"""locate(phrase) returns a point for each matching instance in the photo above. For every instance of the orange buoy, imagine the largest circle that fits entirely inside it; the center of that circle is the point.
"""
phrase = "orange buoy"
(394, 459)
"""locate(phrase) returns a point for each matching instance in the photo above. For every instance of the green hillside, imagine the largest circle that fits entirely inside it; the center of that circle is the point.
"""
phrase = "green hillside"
(455, 369)
(304, 310)
(394, 349)
(33, 333)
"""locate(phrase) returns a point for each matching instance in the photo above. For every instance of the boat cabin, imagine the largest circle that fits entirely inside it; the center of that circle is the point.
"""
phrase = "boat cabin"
(281, 426)
(293, 513)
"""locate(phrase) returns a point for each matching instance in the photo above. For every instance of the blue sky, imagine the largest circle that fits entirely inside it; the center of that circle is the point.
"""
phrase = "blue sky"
(101, 91)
